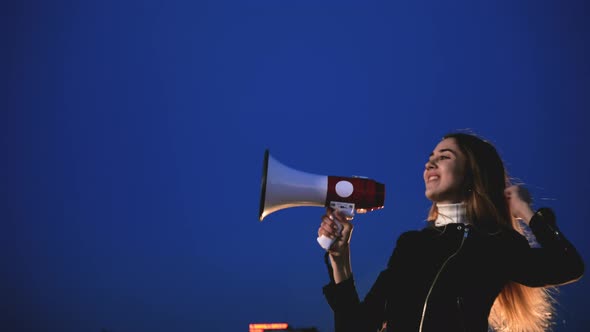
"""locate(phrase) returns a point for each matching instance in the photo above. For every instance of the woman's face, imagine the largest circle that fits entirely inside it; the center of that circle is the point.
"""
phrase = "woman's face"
(443, 175)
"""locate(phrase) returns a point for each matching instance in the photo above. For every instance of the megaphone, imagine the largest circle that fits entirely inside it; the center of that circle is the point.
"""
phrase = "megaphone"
(284, 187)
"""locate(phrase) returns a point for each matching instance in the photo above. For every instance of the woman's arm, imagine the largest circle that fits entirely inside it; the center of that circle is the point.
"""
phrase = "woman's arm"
(556, 262)
(351, 314)
(339, 252)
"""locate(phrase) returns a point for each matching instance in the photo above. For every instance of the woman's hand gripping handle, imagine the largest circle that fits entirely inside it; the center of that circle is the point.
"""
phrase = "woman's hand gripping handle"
(337, 228)
(335, 231)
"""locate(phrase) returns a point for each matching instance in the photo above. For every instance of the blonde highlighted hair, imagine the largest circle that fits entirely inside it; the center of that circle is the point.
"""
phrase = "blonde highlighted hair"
(517, 308)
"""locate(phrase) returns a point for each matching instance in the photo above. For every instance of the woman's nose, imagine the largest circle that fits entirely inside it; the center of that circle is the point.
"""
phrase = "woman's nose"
(430, 165)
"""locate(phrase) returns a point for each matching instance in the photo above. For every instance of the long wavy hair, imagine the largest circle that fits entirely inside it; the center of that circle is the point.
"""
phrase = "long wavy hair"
(517, 308)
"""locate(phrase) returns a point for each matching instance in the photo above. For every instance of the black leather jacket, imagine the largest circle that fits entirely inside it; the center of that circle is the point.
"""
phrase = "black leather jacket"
(447, 278)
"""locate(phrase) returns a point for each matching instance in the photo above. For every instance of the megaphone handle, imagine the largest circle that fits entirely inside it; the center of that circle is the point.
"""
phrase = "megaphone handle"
(326, 242)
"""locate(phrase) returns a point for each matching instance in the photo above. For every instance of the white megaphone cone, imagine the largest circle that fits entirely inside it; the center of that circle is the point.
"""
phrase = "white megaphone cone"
(284, 187)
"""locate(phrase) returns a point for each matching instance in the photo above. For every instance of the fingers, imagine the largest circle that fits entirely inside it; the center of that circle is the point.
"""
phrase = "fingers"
(342, 217)
(512, 192)
(328, 227)
(524, 194)
(518, 192)
(337, 215)
(508, 192)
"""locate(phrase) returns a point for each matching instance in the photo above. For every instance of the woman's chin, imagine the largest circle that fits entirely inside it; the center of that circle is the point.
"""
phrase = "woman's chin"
(430, 195)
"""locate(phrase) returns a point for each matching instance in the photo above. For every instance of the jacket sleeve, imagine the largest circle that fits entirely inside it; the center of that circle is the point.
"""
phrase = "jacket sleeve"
(556, 262)
(351, 314)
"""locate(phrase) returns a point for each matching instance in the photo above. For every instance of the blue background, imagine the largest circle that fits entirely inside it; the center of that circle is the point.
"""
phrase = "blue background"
(132, 137)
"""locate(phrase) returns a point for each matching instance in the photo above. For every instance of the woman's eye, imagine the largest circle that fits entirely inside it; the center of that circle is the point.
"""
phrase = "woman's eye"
(443, 157)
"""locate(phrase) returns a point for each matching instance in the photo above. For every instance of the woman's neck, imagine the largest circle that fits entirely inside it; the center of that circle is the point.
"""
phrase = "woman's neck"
(451, 213)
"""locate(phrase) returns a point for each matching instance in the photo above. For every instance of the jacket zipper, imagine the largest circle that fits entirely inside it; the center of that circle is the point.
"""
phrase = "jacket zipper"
(465, 234)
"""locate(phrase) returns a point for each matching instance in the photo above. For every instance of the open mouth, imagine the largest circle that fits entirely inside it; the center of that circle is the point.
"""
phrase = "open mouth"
(432, 178)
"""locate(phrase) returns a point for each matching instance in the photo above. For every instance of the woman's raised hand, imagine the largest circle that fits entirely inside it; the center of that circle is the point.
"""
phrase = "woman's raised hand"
(329, 228)
(519, 202)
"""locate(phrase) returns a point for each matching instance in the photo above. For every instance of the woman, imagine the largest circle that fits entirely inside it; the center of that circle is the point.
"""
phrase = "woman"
(470, 268)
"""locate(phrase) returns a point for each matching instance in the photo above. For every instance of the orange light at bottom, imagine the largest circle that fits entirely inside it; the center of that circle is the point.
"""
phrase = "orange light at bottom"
(268, 326)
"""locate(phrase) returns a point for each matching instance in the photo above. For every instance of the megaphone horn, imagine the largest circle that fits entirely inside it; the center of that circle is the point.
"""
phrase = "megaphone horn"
(284, 187)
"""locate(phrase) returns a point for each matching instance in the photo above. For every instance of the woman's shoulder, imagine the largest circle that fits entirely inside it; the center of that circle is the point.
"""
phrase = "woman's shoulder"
(502, 236)
(409, 236)
(413, 237)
